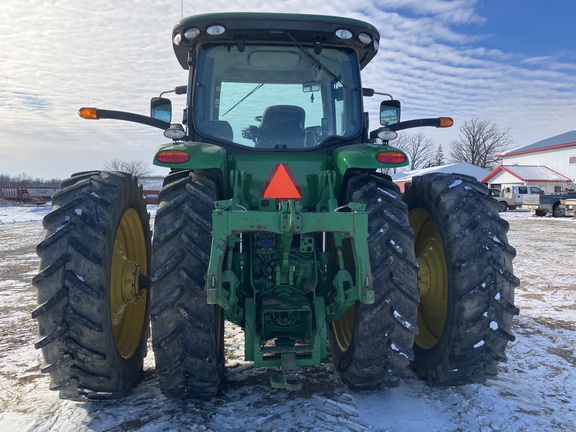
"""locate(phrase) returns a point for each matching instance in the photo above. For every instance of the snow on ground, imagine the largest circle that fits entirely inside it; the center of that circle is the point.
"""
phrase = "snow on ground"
(535, 389)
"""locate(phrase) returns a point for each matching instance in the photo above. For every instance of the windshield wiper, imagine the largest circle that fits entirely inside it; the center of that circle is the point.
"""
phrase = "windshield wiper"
(244, 98)
(314, 60)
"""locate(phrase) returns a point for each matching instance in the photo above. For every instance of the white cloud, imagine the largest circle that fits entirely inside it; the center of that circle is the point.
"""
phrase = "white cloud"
(59, 56)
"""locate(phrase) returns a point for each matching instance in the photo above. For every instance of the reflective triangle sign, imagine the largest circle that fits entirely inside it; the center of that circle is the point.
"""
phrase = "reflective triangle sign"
(281, 184)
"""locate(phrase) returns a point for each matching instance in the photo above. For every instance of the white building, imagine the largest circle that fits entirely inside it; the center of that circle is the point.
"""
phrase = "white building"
(527, 175)
(557, 153)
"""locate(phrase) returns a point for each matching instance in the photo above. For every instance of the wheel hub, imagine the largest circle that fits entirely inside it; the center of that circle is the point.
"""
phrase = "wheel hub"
(128, 283)
(432, 279)
(423, 277)
(131, 272)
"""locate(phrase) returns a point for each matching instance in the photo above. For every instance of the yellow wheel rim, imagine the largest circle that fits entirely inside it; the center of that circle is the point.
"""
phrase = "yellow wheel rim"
(343, 329)
(432, 279)
(127, 299)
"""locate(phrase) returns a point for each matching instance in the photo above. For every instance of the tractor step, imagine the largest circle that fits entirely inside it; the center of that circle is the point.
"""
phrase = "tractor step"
(290, 378)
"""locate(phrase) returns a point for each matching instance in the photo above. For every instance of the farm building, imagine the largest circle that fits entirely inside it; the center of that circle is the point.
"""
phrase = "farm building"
(555, 155)
(151, 188)
(404, 177)
(527, 175)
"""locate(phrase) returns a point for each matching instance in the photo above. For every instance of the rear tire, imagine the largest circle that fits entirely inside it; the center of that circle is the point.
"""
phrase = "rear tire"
(371, 344)
(502, 206)
(466, 282)
(187, 332)
(93, 325)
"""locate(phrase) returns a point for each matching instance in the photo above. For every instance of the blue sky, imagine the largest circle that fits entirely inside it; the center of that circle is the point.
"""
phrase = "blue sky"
(512, 62)
(533, 28)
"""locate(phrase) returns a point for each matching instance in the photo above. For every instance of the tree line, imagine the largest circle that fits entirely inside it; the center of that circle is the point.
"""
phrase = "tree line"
(134, 167)
(479, 143)
(26, 180)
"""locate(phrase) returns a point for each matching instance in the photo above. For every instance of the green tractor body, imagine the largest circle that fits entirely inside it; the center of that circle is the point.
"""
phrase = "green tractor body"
(276, 216)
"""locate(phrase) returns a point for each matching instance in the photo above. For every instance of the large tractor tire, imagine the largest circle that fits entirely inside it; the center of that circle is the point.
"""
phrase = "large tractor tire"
(187, 332)
(465, 279)
(371, 344)
(93, 302)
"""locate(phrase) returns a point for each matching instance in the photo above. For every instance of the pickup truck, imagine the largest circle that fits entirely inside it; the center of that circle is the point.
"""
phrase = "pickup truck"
(550, 204)
(512, 197)
(570, 204)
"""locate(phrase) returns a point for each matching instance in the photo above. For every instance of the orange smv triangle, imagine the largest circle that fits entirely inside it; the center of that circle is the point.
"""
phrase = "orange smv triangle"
(281, 184)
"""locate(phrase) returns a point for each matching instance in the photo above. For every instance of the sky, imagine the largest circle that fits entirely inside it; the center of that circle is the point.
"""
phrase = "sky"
(512, 62)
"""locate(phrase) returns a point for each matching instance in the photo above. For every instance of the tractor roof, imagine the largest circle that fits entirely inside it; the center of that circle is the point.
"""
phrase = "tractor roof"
(307, 30)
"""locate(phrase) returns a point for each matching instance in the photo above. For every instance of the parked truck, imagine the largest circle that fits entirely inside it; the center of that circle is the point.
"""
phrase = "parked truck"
(512, 197)
(570, 204)
(27, 194)
(277, 217)
(550, 204)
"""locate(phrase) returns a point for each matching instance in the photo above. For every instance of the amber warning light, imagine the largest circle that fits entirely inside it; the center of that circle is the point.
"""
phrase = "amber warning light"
(446, 122)
(281, 184)
(88, 113)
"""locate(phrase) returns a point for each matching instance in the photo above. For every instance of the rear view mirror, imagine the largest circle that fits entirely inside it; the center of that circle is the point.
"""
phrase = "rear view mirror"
(310, 86)
(389, 112)
(161, 109)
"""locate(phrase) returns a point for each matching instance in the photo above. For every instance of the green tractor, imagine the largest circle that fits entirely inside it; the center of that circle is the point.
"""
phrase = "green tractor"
(276, 216)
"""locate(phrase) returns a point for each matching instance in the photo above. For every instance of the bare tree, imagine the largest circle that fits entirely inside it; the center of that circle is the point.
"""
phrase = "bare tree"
(134, 167)
(479, 143)
(419, 149)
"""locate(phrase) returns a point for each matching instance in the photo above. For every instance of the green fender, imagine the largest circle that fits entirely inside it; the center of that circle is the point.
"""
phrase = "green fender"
(363, 156)
(202, 156)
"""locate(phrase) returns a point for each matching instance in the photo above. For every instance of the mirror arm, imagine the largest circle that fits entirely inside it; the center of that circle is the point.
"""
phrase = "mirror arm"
(408, 124)
(179, 90)
(131, 117)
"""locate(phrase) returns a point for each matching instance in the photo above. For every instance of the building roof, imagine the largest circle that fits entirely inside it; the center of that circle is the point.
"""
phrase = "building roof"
(528, 173)
(151, 183)
(567, 139)
(454, 168)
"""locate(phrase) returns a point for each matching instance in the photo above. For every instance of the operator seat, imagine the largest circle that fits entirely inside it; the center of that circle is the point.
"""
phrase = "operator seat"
(282, 125)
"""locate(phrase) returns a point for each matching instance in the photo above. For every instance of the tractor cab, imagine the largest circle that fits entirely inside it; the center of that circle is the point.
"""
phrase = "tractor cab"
(275, 81)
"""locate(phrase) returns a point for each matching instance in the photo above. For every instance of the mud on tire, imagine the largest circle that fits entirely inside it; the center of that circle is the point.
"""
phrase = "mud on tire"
(187, 333)
(371, 344)
(93, 340)
(466, 280)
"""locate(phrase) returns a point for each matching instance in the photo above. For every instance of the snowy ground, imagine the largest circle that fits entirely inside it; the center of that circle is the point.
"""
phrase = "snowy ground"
(535, 390)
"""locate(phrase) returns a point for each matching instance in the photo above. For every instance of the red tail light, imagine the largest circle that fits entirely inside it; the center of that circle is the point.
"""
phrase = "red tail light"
(173, 157)
(391, 157)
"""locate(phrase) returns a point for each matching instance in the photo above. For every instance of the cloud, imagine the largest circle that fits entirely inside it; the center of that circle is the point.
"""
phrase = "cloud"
(59, 56)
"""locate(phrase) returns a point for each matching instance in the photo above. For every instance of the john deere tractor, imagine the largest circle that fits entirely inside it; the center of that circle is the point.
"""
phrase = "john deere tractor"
(276, 215)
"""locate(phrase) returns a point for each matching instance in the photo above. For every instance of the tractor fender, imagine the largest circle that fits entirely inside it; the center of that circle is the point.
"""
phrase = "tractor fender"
(363, 156)
(191, 155)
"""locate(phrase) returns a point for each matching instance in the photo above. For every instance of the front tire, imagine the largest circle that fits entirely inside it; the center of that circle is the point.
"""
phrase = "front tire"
(466, 281)
(93, 303)
(371, 344)
(187, 332)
